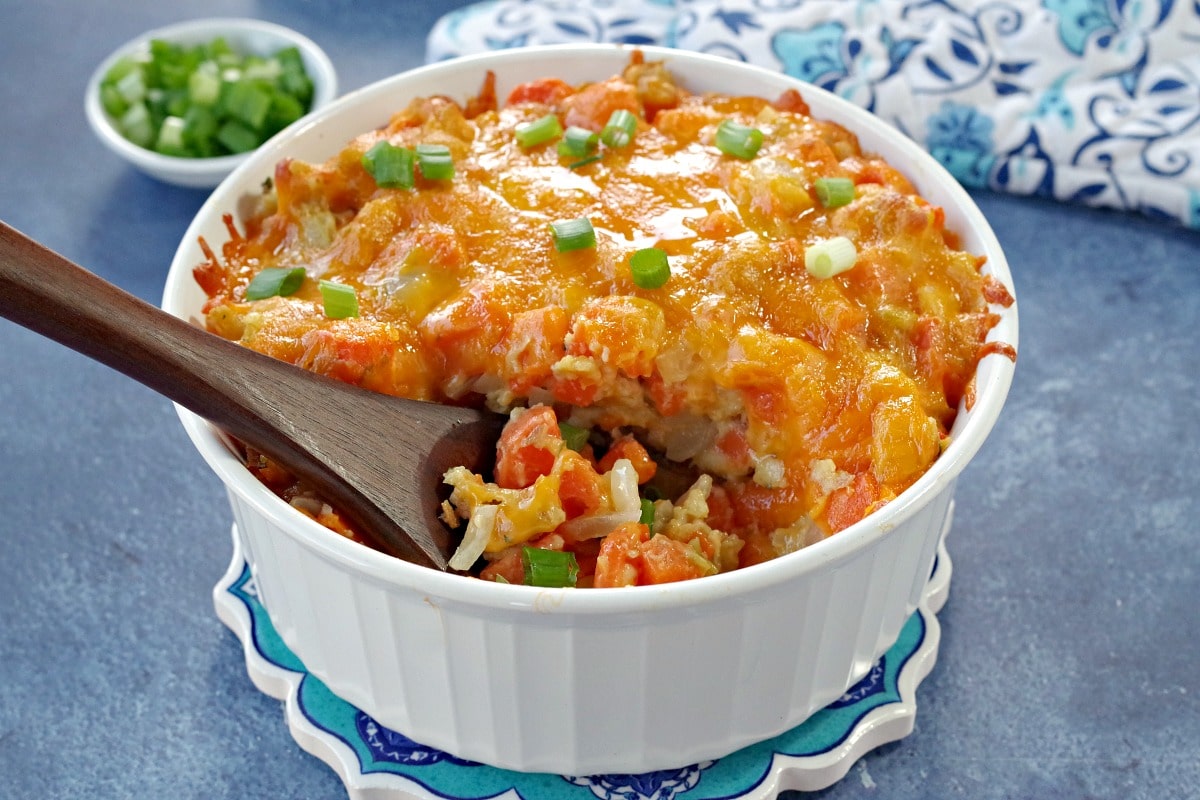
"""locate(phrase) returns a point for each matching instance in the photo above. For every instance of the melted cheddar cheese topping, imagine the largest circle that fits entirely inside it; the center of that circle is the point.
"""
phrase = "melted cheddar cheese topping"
(807, 402)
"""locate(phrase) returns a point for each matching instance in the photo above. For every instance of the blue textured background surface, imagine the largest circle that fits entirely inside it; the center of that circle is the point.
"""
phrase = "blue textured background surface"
(1071, 639)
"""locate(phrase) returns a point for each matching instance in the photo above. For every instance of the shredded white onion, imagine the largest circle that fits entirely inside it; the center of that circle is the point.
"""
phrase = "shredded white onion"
(475, 539)
(685, 435)
(597, 525)
(623, 483)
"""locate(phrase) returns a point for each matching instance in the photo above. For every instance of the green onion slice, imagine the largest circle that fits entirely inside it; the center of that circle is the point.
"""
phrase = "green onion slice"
(236, 137)
(834, 192)
(740, 141)
(340, 300)
(540, 131)
(583, 162)
(275, 282)
(389, 165)
(576, 438)
(830, 257)
(649, 267)
(578, 142)
(647, 517)
(620, 128)
(573, 234)
(549, 568)
(435, 162)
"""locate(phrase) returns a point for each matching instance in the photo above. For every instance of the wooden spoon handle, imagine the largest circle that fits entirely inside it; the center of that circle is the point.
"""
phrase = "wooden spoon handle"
(50, 295)
(312, 425)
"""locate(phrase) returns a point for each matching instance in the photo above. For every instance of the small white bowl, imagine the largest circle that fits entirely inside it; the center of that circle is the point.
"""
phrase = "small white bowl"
(578, 681)
(249, 36)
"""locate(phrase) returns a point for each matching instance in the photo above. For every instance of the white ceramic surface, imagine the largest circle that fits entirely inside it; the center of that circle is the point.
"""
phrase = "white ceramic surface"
(377, 764)
(576, 681)
(250, 36)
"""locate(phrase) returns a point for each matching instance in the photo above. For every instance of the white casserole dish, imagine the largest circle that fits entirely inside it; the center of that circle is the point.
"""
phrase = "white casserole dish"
(593, 681)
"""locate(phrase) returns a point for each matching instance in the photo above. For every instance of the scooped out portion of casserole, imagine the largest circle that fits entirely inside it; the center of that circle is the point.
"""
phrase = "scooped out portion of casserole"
(722, 331)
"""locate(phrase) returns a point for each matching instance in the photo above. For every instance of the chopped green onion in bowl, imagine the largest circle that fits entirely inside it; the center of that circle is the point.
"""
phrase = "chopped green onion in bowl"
(241, 100)
(166, 112)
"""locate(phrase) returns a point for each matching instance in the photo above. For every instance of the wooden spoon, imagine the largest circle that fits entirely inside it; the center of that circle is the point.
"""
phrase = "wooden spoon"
(378, 459)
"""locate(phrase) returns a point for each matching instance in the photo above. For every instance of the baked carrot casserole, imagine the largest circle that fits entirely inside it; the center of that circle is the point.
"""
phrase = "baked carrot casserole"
(721, 331)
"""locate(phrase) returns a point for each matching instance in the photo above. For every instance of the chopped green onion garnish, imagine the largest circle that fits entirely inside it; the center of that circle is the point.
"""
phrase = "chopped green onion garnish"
(830, 257)
(573, 234)
(340, 300)
(576, 438)
(647, 512)
(275, 282)
(540, 131)
(390, 166)
(740, 141)
(620, 128)
(435, 162)
(650, 268)
(549, 568)
(834, 192)
(578, 142)
(583, 162)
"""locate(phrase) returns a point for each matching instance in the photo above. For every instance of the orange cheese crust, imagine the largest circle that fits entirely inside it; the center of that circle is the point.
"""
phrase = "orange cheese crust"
(809, 402)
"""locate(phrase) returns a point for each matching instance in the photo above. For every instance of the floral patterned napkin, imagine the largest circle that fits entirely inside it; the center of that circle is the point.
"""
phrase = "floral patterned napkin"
(1091, 101)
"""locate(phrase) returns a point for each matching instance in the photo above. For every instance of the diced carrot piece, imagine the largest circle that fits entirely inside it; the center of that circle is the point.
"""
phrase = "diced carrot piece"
(619, 562)
(630, 448)
(851, 503)
(623, 331)
(579, 486)
(534, 343)
(508, 566)
(485, 100)
(733, 445)
(465, 330)
(592, 105)
(756, 549)
(547, 91)
(527, 448)
(667, 399)
(575, 391)
(665, 560)
(791, 100)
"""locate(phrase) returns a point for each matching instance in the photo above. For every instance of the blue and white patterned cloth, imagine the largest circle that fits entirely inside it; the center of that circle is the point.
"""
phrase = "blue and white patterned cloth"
(1092, 101)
